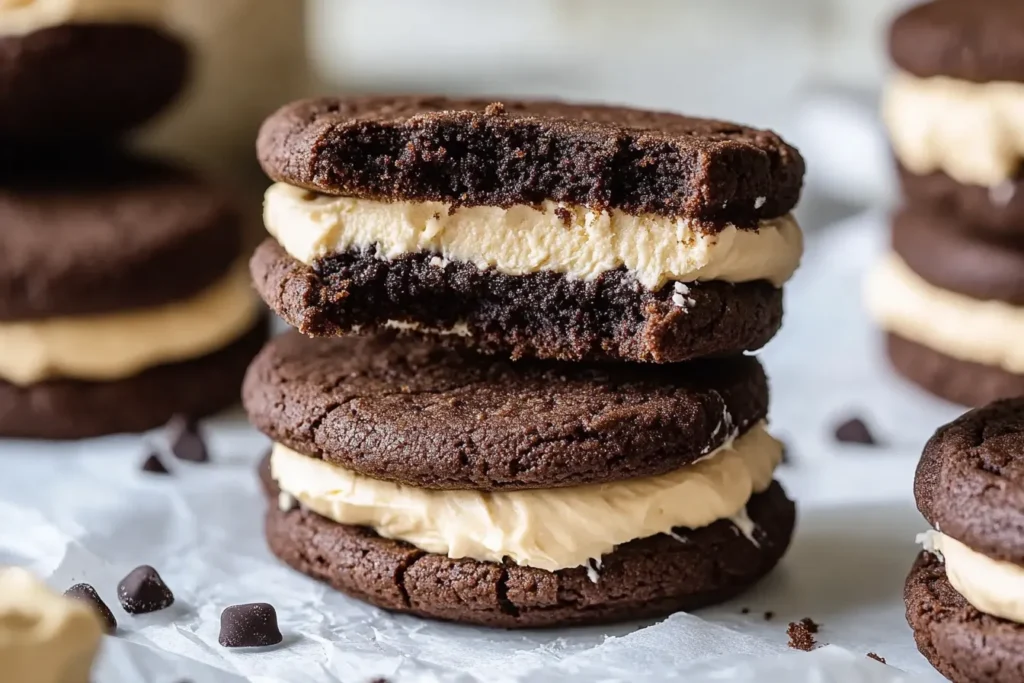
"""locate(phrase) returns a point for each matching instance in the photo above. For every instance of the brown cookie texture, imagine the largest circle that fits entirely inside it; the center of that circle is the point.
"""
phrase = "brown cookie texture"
(949, 257)
(482, 152)
(959, 381)
(970, 480)
(978, 40)
(963, 644)
(538, 315)
(85, 81)
(71, 409)
(992, 213)
(410, 410)
(109, 233)
(644, 578)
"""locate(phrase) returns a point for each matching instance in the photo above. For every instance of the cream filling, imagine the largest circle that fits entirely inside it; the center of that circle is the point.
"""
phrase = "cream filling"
(572, 240)
(992, 586)
(545, 528)
(44, 637)
(116, 345)
(973, 132)
(986, 332)
(20, 17)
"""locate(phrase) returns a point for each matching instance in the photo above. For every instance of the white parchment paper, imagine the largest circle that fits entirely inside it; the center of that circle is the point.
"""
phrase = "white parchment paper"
(84, 512)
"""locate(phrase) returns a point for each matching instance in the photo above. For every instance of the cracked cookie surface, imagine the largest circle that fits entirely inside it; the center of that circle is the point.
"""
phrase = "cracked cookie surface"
(411, 410)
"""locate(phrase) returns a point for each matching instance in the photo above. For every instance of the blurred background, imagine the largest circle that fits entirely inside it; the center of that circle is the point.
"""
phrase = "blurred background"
(810, 69)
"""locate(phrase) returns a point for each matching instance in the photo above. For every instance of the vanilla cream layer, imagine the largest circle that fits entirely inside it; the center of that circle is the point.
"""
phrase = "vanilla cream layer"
(44, 637)
(572, 240)
(20, 17)
(118, 345)
(986, 332)
(992, 586)
(974, 132)
(546, 528)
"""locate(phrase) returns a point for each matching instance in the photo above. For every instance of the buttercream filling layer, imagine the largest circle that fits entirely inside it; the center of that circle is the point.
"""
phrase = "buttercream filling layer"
(991, 586)
(549, 529)
(973, 132)
(985, 332)
(117, 345)
(572, 240)
(21, 17)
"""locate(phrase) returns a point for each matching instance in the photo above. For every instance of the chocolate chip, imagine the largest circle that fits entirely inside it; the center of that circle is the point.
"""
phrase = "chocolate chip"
(185, 440)
(153, 464)
(745, 610)
(877, 658)
(250, 625)
(143, 591)
(768, 616)
(88, 595)
(855, 431)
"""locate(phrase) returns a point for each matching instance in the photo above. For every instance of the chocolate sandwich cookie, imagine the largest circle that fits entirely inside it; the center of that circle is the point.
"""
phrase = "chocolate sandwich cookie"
(964, 593)
(122, 294)
(993, 213)
(952, 306)
(533, 493)
(528, 228)
(83, 81)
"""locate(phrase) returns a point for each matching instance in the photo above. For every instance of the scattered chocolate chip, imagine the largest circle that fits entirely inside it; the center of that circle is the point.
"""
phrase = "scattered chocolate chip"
(768, 616)
(801, 634)
(855, 431)
(153, 464)
(250, 625)
(88, 595)
(745, 610)
(143, 591)
(185, 440)
(877, 658)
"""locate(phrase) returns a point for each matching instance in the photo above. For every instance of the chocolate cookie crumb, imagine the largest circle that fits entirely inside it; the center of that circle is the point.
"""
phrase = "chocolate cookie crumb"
(855, 430)
(87, 594)
(143, 591)
(186, 441)
(564, 215)
(877, 658)
(250, 625)
(745, 610)
(801, 634)
(768, 616)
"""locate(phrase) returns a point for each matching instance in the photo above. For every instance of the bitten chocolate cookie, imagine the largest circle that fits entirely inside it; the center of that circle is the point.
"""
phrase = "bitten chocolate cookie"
(82, 82)
(123, 295)
(980, 40)
(528, 229)
(964, 593)
(410, 410)
(689, 569)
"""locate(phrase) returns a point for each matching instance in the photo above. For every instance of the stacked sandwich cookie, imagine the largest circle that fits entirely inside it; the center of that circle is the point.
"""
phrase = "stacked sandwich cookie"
(124, 297)
(965, 593)
(951, 293)
(486, 427)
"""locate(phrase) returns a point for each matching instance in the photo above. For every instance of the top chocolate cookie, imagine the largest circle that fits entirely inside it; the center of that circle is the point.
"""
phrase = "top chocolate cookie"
(479, 152)
(970, 481)
(980, 40)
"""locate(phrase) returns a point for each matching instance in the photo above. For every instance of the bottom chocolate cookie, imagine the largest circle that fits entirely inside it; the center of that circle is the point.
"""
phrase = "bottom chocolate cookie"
(71, 409)
(641, 579)
(963, 382)
(963, 644)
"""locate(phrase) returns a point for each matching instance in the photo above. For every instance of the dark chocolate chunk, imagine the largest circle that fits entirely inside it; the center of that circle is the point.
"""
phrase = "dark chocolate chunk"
(153, 463)
(88, 595)
(186, 441)
(854, 430)
(249, 625)
(143, 591)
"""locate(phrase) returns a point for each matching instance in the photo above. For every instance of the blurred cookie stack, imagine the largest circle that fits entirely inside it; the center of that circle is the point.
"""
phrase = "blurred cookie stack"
(527, 400)
(951, 294)
(123, 300)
